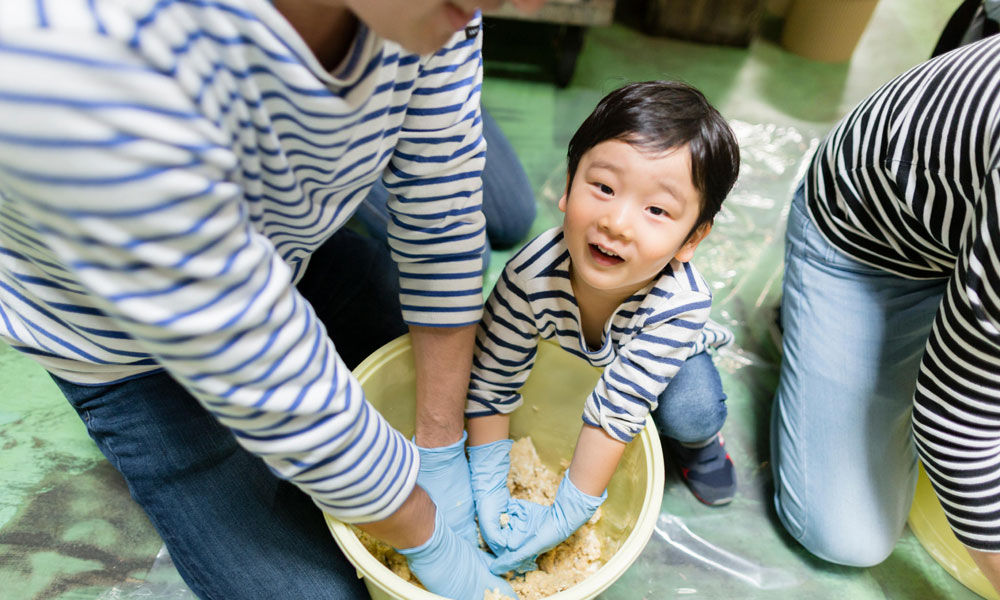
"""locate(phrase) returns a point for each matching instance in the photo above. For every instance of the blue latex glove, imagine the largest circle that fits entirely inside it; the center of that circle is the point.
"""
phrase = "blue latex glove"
(449, 566)
(490, 464)
(444, 474)
(542, 530)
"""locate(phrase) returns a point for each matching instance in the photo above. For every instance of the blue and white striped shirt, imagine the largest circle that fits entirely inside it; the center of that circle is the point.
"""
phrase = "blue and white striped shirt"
(645, 341)
(166, 169)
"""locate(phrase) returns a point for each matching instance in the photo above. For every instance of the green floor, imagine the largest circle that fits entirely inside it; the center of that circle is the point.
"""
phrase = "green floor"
(68, 529)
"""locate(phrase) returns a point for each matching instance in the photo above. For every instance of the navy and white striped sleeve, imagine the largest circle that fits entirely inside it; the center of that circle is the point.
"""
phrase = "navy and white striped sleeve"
(131, 187)
(437, 232)
(631, 385)
(506, 346)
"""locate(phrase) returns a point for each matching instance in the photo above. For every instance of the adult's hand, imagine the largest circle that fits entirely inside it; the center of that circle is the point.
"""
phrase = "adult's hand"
(449, 566)
(989, 564)
(544, 529)
(444, 474)
(443, 360)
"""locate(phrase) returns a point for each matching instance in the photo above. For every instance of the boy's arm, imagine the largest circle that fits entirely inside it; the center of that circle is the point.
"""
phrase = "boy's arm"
(631, 385)
(505, 348)
(595, 459)
(491, 428)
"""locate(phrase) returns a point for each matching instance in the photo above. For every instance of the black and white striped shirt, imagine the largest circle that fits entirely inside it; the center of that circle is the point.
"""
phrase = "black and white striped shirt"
(909, 182)
(166, 169)
(645, 341)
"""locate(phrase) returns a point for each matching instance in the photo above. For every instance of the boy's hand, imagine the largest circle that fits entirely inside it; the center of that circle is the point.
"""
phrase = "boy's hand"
(542, 528)
(489, 465)
(449, 566)
(444, 474)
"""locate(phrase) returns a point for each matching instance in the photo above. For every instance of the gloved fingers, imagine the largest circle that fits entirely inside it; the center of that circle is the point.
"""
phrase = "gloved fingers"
(489, 465)
(499, 522)
(520, 560)
(492, 530)
(448, 565)
(534, 529)
(541, 530)
(523, 520)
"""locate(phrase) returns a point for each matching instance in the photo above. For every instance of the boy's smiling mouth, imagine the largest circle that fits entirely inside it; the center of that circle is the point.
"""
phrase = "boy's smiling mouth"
(603, 256)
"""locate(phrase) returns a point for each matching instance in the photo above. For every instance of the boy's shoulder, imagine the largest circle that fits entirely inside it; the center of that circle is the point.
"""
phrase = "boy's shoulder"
(544, 256)
(680, 279)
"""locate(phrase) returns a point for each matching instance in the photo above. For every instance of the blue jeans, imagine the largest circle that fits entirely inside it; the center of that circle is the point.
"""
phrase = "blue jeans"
(693, 407)
(842, 451)
(233, 529)
(508, 200)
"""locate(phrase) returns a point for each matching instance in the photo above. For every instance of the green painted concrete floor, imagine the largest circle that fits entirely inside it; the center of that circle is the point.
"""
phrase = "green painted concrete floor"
(68, 529)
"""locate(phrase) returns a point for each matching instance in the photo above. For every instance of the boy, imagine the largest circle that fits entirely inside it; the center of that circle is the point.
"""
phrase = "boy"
(648, 170)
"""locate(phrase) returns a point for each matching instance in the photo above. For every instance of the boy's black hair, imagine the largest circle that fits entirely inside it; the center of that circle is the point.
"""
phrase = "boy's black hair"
(656, 116)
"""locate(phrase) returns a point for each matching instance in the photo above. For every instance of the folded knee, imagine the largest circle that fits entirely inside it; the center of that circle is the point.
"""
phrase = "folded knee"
(843, 542)
(858, 552)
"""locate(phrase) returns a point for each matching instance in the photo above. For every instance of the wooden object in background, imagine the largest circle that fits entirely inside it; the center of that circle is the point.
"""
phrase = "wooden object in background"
(585, 13)
(565, 21)
(826, 30)
(727, 22)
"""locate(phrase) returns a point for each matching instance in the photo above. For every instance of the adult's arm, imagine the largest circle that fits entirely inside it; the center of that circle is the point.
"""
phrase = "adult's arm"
(437, 231)
(136, 191)
(443, 359)
(956, 415)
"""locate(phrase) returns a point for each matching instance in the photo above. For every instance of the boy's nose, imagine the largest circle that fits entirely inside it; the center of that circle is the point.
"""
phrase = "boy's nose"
(616, 224)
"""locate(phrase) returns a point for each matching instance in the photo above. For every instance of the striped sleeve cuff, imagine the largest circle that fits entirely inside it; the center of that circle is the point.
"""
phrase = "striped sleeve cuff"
(443, 293)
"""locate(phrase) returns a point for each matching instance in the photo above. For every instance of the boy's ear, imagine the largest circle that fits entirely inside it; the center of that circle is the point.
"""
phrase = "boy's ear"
(562, 201)
(686, 252)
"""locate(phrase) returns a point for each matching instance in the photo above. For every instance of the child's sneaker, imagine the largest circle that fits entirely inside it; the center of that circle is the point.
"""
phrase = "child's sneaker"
(708, 471)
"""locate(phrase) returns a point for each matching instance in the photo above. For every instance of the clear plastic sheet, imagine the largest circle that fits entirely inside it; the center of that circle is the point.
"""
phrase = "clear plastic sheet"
(162, 582)
(740, 550)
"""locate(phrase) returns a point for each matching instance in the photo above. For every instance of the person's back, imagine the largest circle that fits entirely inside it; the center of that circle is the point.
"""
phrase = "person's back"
(895, 183)
(891, 316)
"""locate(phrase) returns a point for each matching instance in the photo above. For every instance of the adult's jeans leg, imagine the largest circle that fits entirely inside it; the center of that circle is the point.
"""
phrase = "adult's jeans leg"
(842, 451)
(508, 200)
(233, 529)
(353, 285)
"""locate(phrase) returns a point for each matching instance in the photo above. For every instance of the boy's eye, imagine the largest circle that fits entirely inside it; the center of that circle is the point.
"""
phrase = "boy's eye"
(605, 189)
(657, 211)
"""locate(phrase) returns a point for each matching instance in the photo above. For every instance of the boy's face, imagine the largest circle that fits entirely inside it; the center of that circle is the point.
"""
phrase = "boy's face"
(628, 214)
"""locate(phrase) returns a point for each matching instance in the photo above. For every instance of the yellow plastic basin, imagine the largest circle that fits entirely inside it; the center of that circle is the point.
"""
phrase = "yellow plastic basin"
(929, 524)
(553, 403)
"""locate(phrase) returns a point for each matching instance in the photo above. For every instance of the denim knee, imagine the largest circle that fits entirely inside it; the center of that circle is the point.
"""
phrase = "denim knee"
(840, 541)
(693, 407)
(508, 198)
